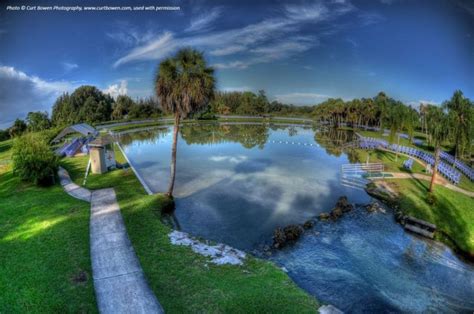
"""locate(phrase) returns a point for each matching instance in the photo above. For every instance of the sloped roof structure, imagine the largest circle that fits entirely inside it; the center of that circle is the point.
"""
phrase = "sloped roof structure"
(83, 128)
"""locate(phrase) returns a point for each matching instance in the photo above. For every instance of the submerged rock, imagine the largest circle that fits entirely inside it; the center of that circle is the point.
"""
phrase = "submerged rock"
(375, 207)
(308, 224)
(336, 212)
(293, 232)
(279, 238)
(324, 216)
(344, 204)
(290, 233)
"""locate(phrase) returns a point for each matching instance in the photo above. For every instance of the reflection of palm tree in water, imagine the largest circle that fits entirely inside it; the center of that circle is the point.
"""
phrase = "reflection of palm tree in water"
(332, 139)
(171, 219)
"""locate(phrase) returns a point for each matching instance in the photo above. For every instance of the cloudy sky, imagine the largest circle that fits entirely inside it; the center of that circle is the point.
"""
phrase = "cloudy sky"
(300, 52)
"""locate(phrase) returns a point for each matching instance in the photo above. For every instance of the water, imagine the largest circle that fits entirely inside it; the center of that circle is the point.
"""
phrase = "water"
(236, 183)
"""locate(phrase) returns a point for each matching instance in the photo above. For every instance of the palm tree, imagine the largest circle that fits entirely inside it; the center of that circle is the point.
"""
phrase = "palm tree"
(184, 85)
(460, 111)
(438, 128)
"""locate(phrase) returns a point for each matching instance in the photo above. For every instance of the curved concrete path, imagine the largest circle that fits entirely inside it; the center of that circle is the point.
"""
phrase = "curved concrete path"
(71, 188)
(119, 282)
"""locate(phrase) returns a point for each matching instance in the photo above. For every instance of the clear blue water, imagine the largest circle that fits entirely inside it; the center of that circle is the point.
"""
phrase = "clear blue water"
(236, 183)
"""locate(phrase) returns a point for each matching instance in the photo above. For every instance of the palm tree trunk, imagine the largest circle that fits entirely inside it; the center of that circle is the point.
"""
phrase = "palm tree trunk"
(435, 170)
(173, 155)
(398, 148)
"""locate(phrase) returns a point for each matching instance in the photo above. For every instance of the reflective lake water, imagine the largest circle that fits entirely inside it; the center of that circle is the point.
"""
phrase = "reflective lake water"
(236, 183)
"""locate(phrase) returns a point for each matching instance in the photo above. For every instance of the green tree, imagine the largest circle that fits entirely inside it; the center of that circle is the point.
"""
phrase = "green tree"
(438, 128)
(69, 109)
(18, 128)
(38, 121)
(122, 107)
(63, 112)
(247, 104)
(261, 102)
(184, 85)
(460, 112)
(88, 111)
(381, 101)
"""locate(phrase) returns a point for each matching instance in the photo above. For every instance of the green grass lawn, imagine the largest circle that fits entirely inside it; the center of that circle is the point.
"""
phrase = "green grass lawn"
(453, 213)
(390, 161)
(44, 248)
(182, 280)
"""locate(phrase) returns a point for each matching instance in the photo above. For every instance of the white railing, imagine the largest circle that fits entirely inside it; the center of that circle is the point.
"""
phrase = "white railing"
(358, 175)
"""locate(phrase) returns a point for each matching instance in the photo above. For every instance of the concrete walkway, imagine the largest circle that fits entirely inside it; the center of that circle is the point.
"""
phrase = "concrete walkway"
(119, 282)
(120, 285)
(71, 188)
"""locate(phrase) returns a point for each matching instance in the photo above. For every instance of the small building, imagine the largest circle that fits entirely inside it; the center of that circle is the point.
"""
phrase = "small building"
(101, 153)
(82, 128)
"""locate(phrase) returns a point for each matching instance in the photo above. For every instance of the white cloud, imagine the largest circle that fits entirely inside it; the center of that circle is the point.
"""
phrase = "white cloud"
(268, 40)
(204, 21)
(155, 49)
(231, 159)
(229, 50)
(21, 93)
(370, 18)
(69, 66)
(301, 98)
(116, 90)
(236, 89)
(314, 12)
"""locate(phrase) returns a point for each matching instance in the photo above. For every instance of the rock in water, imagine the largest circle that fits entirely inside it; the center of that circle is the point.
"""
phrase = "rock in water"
(336, 212)
(344, 204)
(324, 216)
(293, 232)
(290, 233)
(279, 238)
(308, 224)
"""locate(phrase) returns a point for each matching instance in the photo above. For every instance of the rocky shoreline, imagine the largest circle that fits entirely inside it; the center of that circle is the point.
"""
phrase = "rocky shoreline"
(284, 236)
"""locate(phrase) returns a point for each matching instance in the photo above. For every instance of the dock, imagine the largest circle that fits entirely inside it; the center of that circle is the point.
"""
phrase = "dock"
(419, 227)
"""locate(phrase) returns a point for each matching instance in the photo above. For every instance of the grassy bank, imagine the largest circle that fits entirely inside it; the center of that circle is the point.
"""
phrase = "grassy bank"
(44, 247)
(182, 280)
(452, 213)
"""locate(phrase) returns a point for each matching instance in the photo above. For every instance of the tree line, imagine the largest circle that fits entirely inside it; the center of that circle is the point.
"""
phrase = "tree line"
(86, 104)
(249, 103)
(385, 113)
(89, 104)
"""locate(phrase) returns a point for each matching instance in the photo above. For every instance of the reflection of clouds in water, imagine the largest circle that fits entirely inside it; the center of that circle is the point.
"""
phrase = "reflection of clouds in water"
(231, 159)
(212, 177)
(273, 187)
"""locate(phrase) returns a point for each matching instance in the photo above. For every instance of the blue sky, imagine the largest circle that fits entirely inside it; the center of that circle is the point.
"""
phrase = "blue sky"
(300, 52)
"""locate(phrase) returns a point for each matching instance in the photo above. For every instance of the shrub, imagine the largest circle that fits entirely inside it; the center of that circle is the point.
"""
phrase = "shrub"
(33, 160)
